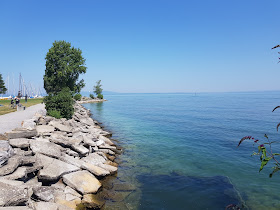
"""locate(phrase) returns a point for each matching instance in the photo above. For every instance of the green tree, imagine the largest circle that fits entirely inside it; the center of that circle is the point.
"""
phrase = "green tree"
(98, 90)
(60, 104)
(64, 64)
(3, 89)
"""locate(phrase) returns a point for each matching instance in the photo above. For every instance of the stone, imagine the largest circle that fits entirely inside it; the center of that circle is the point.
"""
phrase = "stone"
(87, 121)
(46, 148)
(34, 182)
(106, 140)
(59, 185)
(3, 137)
(6, 151)
(21, 152)
(44, 129)
(44, 193)
(96, 170)
(15, 208)
(94, 159)
(91, 201)
(60, 126)
(71, 160)
(22, 172)
(20, 143)
(21, 133)
(28, 124)
(53, 168)
(69, 190)
(12, 195)
(80, 149)
(107, 151)
(82, 181)
(14, 162)
(49, 206)
(71, 152)
(89, 142)
(110, 168)
(69, 204)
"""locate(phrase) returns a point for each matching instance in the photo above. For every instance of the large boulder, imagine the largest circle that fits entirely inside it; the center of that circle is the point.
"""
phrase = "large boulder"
(20, 143)
(41, 129)
(44, 193)
(11, 195)
(96, 170)
(82, 181)
(6, 151)
(21, 133)
(60, 126)
(46, 148)
(53, 168)
(94, 159)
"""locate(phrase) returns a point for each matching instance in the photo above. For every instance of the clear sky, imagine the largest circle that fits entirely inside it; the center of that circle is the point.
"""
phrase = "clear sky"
(148, 45)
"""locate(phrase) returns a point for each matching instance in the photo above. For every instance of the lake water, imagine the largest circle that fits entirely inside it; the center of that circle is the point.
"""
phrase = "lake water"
(180, 150)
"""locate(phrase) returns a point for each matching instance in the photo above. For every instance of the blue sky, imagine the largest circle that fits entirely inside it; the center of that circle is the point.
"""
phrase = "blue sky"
(148, 45)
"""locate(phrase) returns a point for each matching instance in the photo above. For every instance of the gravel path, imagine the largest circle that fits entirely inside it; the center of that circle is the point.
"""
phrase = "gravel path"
(13, 120)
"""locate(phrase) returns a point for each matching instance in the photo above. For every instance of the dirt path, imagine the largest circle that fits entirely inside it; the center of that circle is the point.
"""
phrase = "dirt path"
(13, 120)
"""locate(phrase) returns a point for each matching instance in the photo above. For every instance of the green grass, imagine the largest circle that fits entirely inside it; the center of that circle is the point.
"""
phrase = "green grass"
(6, 108)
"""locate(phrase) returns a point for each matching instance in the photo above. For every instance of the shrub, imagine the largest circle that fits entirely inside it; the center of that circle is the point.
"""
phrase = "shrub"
(91, 96)
(61, 103)
(54, 113)
(78, 97)
(100, 96)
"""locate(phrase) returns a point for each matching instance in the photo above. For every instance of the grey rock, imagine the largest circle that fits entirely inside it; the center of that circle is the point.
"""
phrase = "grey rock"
(71, 152)
(21, 152)
(89, 141)
(80, 149)
(94, 159)
(71, 160)
(49, 206)
(12, 195)
(28, 124)
(20, 143)
(53, 168)
(6, 151)
(41, 129)
(44, 193)
(46, 148)
(15, 208)
(14, 162)
(21, 133)
(69, 190)
(107, 151)
(96, 170)
(60, 126)
(110, 168)
(83, 181)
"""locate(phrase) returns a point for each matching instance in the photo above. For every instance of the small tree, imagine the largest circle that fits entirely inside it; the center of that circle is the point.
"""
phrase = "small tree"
(3, 89)
(64, 64)
(98, 90)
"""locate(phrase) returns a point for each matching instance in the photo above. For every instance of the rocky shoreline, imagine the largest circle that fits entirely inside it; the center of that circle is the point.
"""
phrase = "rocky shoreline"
(90, 100)
(56, 163)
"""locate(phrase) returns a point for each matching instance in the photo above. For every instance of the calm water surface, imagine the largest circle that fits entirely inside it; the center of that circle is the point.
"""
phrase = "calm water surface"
(180, 150)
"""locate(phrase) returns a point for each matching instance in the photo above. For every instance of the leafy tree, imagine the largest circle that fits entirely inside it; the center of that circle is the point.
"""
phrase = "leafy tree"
(91, 96)
(60, 104)
(3, 89)
(77, 97)
(64, 64)
(98, 90)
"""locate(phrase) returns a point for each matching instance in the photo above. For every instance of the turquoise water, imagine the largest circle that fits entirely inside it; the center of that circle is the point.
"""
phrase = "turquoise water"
(180, 150)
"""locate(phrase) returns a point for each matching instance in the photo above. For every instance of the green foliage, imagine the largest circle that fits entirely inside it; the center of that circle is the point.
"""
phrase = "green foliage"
(61, 102)
(91, 96)
(54, 113)
(64, 64)
(100, 96)
(77, 97)
(3, 89)
(97, 88)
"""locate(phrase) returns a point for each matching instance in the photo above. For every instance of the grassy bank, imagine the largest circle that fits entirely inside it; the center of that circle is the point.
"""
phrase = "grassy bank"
(6, 108)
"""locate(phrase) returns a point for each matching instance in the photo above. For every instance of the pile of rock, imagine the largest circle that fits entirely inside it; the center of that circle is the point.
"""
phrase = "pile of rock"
(55, 163)
(90, 100)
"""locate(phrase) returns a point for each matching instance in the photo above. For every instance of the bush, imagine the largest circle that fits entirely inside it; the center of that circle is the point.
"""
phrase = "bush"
(78, 97)
(91, 96)
(54, 113)
(100, 96)
(60, 104)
